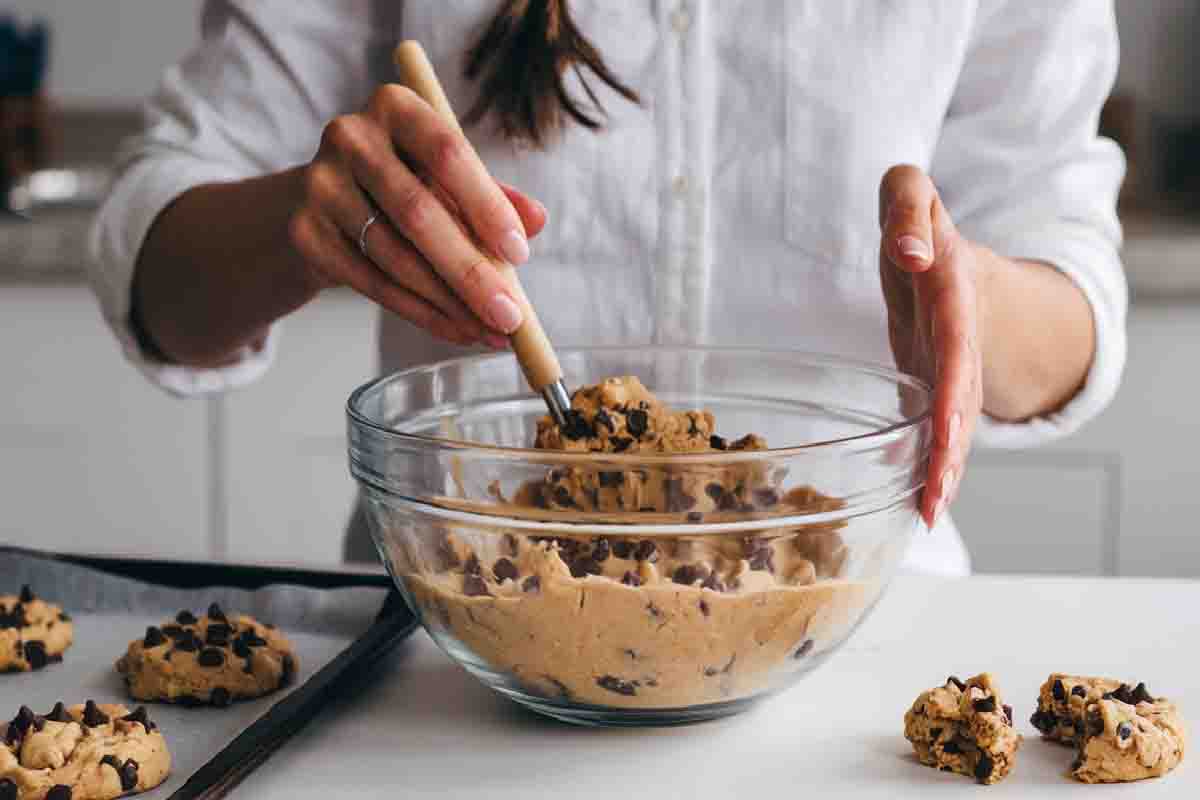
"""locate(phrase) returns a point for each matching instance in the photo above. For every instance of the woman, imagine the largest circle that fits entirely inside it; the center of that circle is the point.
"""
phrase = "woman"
(914, 181)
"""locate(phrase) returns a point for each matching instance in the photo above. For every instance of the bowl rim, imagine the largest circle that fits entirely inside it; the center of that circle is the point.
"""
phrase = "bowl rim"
(857, 442)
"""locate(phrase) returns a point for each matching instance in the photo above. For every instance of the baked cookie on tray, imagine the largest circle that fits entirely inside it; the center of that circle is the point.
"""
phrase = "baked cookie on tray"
(214, 660)
(82, 752)
(964, 727)
(33, 633)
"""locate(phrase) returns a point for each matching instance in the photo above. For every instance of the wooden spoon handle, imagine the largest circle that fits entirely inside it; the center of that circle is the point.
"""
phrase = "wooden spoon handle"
(529, 342)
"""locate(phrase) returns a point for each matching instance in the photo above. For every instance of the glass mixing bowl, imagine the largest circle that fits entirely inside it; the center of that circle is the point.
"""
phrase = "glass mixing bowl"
(628, 589)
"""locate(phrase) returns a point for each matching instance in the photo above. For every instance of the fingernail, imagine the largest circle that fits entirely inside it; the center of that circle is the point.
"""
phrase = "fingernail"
(504, 314)
(952, 429)
(514, 247)
(913, 247)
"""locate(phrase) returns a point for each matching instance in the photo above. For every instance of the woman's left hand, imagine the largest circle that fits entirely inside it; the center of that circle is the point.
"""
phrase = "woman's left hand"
(929, 274)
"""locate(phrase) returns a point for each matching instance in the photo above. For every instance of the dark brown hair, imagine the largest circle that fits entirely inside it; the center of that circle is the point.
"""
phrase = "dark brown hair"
(520, 61)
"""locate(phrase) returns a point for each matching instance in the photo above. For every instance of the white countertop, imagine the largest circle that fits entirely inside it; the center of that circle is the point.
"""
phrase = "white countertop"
(427, 729)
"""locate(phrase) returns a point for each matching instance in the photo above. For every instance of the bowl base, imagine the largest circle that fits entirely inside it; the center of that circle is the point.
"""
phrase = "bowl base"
(608, 717)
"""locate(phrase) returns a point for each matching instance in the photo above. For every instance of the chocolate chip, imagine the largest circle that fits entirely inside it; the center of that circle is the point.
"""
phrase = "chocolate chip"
(646, 551)
(505, 570)
(35, 654)
(220, 697)
(474, 586)
(766, 497)
(1043, 721)
(215, 612)
(985, 705)
(713, 582)
(252, 639)
(951, 747)
(562, 496)
(471, 567)
(218, 634)
(687, 574)
(1008, 712)
(26, 595)
(129, 775)
(1124, 731)
(186, 617)
(614, 684)
(59, 791)
(637, 421)
(1142, 695)
(188, 642)
(174, 631)
(610, 479)
(1079, 691)
(140, 716)
(677, 499)
(583, 566)
(716, 442)
(629, 579)
(64, 616)
(111, 761)
(804, 649)
(962, 687)
(602, 418)
(622, 548)
(715, 491)
(934, 733)
(210, 657)
(154, 637)
(23, 720)
(983, 770)
(8, 789)
(59, 713)
(531, 584)
(600, 550)
(576, 426)
(240, 648)
(93, 717)
(694, 516)
(1095, 724)
(704, 609)
(620, 443)
(1059, 691)
(763, 559)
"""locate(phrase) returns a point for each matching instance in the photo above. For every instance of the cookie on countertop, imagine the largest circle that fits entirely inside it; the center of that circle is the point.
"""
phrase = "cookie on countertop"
(1123, 741)
(33, 633)
(210, 660)
(964, 728)
(82, 752)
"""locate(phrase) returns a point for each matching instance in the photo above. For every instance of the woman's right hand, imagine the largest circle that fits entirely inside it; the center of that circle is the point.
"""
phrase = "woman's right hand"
(400, 157)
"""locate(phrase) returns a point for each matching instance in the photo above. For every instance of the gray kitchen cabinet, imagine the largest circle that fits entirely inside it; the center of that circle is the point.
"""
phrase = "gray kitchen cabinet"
(287, 490)
(92, 457)
(1123, 494)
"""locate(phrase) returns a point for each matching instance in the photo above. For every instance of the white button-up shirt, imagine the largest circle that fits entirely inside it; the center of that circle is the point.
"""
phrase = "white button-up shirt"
(736, 205)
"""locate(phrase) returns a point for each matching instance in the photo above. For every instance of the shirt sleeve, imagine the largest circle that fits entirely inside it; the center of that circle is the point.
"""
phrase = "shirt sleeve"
(1021, 168)
(251, 98)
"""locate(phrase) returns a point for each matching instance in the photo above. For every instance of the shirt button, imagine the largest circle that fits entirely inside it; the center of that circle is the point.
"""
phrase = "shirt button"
(681, 19)
(679, 184)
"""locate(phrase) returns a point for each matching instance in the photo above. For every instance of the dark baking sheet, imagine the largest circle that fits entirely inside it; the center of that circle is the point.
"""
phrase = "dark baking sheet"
(340, 622)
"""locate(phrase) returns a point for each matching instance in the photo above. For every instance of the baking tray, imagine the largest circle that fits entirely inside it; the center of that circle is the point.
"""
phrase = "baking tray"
(341, 623)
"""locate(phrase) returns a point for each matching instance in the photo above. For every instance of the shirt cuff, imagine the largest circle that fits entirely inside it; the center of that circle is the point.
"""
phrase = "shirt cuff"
(121, 226)
(1096, 270)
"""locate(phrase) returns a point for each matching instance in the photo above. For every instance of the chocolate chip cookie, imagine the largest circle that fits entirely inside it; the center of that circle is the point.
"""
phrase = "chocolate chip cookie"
(213, 659)
(1063, 700)
(1124, 741)
(82, 752)
(964, 727)
(33, 633)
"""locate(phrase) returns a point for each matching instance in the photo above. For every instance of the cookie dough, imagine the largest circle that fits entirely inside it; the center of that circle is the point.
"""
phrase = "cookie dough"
(633, 622)
(1063, 700)
(1122, 741)
(33, 633)
(83, 752)
(964, 728)
(214, 659)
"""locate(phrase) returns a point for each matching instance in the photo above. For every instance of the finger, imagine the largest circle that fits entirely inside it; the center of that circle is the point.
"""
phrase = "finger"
(533, 214)
(343, 201)
(441, 151)
(321, 242)
(415, 210)
(906, 200)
